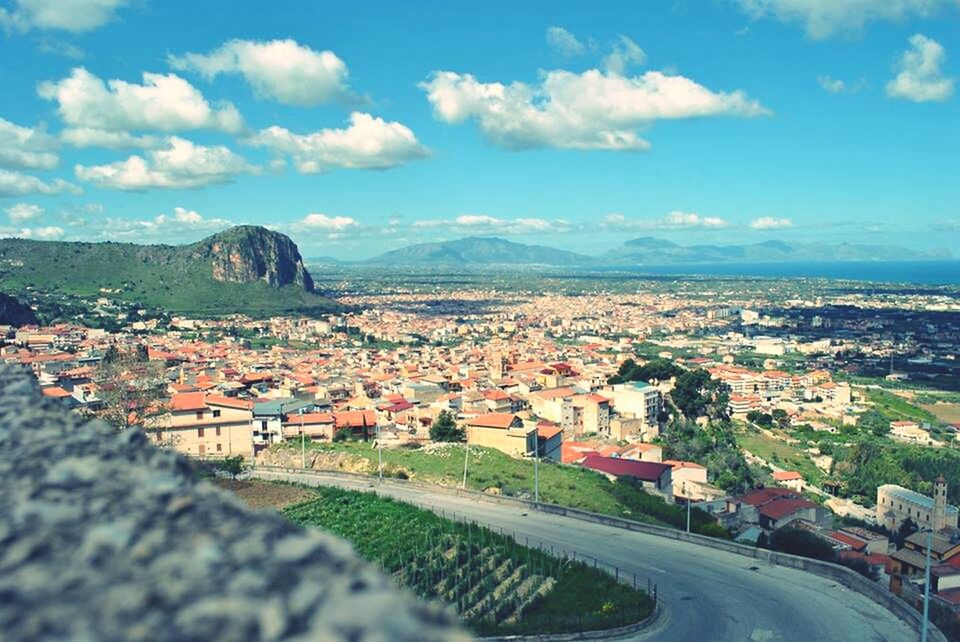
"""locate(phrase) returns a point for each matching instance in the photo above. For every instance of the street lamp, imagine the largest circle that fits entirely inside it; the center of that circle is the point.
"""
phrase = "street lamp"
(926, 590)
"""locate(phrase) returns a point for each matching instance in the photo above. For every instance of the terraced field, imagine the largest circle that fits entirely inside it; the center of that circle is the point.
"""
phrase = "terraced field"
(496, 585)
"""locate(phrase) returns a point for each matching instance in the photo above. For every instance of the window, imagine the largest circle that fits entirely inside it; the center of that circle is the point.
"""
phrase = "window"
(216, 413)
(219, 447)
(218, 431)
(263, 425)
(199, 414)
(199, 432)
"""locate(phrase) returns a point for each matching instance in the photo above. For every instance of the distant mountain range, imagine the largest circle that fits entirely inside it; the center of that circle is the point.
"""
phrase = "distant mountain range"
(491, 251)
(245, 269)
(479, 250)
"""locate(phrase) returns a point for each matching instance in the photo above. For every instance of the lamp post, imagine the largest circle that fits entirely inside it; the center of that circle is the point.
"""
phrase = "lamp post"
(466, 460)
(926, 590)
(536, 471)
(688, 504)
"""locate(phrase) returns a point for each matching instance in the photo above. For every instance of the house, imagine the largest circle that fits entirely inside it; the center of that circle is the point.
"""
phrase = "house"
(789, 479)
(786, 510)
(637, 398)
(654, 477)
(549, 441)
(690, 481)
(909, 431)
(585, 414)
(503, 431)
(204, 425)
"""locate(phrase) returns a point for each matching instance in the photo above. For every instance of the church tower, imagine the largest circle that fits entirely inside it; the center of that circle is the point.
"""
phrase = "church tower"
(939, 504)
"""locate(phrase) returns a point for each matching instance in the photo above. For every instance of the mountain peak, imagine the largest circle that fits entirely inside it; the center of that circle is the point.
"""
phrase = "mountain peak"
(248, 253)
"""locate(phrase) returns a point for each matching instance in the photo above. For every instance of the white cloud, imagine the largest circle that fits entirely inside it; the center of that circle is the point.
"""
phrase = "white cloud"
(182, 164)
(921, 78)
(770, 223)
(592, 110)
(324, 222)
(282, 69)
(24, 212)
(564, 42)
(368, 143)
(26, 148)
(163, 102)
(43, 233)
(625, 53)
(824, 18)
(182, 225)
(675, 220)
(833, 85)
(483, 223)
(66, 15)
(17, 184)
(88, 137)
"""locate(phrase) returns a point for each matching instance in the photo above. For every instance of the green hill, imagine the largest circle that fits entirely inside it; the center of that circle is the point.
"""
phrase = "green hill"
(246, 269)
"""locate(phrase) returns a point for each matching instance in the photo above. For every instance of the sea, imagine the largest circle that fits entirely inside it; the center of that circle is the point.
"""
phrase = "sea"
(945, 272)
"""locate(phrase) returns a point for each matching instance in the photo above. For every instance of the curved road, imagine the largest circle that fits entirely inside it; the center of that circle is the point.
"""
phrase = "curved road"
(706, 594)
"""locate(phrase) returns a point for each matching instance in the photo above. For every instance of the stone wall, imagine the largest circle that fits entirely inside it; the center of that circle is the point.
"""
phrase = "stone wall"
(104, 537)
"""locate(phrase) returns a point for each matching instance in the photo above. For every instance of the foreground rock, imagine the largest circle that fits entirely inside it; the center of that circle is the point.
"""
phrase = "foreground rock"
(103, 537)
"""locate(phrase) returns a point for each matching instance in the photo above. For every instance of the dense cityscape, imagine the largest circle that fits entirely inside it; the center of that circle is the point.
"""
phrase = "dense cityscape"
(437, 322)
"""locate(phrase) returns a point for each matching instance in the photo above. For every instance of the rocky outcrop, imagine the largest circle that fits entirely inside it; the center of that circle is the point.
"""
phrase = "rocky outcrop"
(249, 253)
(104, 537)
(14, 313)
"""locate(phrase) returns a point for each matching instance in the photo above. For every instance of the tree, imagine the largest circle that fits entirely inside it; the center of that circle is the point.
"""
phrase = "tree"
(781, 417)
(344, 434)
(233, 466)
(444, 428)
(129, 390)
(907, 528)
(801, 542)
(697, 394)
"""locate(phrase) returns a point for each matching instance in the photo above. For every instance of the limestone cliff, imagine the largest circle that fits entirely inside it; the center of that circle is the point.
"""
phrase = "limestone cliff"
(249, 253)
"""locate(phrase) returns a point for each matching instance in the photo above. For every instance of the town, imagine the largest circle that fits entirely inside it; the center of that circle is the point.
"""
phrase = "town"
(622, 384)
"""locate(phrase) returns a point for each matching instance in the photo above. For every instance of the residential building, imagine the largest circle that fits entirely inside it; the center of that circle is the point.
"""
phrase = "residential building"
(655, 478)
(503, 431)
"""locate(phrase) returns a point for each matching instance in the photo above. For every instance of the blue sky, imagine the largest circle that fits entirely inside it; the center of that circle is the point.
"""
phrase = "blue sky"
(360, 127)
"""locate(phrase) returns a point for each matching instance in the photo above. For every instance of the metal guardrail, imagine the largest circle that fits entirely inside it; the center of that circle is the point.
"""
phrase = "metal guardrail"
(841, 574)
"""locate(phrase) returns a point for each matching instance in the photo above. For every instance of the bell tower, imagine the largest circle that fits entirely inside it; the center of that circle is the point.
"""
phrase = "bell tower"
(939, 504)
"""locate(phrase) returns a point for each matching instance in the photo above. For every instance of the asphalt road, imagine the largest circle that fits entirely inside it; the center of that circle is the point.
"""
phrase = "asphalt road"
(705, 594)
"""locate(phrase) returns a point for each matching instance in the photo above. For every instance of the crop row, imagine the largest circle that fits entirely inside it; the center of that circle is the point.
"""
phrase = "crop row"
(496, 584)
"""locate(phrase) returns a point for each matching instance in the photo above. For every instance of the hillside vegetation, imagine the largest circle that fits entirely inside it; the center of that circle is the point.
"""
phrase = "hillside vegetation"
(495, 584)
(494, 472)
(245, 269)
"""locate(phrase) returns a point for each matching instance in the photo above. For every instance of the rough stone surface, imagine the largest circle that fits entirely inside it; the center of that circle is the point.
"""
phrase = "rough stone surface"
(104, 537)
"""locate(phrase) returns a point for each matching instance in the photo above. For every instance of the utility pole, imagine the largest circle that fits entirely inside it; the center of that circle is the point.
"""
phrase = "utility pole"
(466, 460)
(536, 471)
(688, 505)
(303, 443)
(926, 590)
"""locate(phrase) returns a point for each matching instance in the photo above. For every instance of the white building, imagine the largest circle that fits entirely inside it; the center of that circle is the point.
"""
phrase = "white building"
(896, 504)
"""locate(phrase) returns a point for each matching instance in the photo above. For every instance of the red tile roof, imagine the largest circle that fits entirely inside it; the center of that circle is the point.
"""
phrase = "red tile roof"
(645, 470)
(56, 392)
(493, 420)
(780, 508)
(185, 401)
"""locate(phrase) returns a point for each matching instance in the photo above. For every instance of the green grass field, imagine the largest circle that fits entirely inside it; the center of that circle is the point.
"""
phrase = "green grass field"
(496, 585)
(895, 407)
(492, 471)
(780, 453)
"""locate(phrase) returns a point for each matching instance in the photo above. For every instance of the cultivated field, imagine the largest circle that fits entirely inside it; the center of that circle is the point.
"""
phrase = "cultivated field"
(496, 585)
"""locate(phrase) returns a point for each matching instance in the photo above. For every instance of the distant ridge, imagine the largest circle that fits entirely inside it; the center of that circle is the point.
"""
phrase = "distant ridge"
(244, 269)
(490, 251)
(479, 250)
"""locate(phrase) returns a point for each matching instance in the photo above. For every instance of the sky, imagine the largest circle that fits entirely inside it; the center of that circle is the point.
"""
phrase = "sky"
(360, 127)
